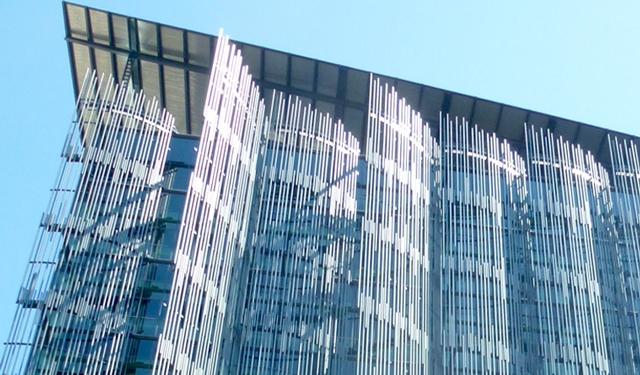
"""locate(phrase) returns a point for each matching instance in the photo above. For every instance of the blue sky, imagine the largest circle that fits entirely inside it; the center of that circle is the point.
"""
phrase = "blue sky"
(574, 59)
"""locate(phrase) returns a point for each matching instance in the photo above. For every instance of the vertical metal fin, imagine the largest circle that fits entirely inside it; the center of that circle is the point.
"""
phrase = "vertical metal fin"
(211, 242)
(394, 269)
(299, 317)
(621, 271)
(570, 232)
(482, 230)
(80, 282)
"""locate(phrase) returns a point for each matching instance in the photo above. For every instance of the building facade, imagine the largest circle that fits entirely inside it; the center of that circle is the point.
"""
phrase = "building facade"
(256, 212)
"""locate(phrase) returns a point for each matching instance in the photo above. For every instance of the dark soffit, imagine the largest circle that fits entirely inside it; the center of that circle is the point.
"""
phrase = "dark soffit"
(173, 65)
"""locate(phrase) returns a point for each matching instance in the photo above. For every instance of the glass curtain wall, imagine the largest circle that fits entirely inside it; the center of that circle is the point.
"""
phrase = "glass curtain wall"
(80, 286)
(394, 271)
(299, 314)
(277, 243)
(625, 273)
(569, 197)
(483, 231)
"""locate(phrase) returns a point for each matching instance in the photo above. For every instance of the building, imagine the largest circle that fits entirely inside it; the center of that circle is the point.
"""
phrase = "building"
(297, 216)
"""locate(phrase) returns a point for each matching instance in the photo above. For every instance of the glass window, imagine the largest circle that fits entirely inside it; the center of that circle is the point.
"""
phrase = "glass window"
(182, 151)
(171, 206)
(157, 277)
(145, 351)
(176, 177)
(166, 240)
(151, 315)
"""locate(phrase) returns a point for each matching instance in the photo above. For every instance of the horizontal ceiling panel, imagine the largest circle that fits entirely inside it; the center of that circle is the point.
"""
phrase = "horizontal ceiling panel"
(512, 123)
(302, 73)
(353, 121)
(82, 62)
(174, 96)
(410, 91)
(326, 108)
(538, 120)
(121, 64)
(485, 114)
(275, 67)
(172, 43)
(357, 86)
(148, 38)
(565, 129)
(431, 105)
(327, 79)
(198, 84)
(150, 73)
(77, 22)
(120, 31)
(99, 27)
(461, 106)
(104, 64)
(252, 56)
(199, 49)
(590, 138)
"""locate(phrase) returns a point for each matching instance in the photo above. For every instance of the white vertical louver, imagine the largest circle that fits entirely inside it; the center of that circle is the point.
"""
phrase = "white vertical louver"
(296, 254)
(393, 277)
(298, 316)
(625, 266)
(483, 188)
(80, 282)
(212, 236)
(566, 188)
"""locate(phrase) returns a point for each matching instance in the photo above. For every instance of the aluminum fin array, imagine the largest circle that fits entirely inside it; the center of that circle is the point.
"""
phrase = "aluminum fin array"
(483, 189)
(298, 276)
(568, 192)
(394, 258)
(212, 236)
(271, 245)
(80, 282)
(626, 216)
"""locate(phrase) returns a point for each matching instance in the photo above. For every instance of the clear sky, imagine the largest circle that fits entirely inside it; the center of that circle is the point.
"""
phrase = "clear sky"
(574, 59)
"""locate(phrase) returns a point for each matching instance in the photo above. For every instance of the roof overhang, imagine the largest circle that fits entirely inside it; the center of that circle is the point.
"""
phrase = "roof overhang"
(173, 65)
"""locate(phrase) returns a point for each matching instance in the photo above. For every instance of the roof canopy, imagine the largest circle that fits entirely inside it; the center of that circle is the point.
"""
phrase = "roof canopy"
(173, 65)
